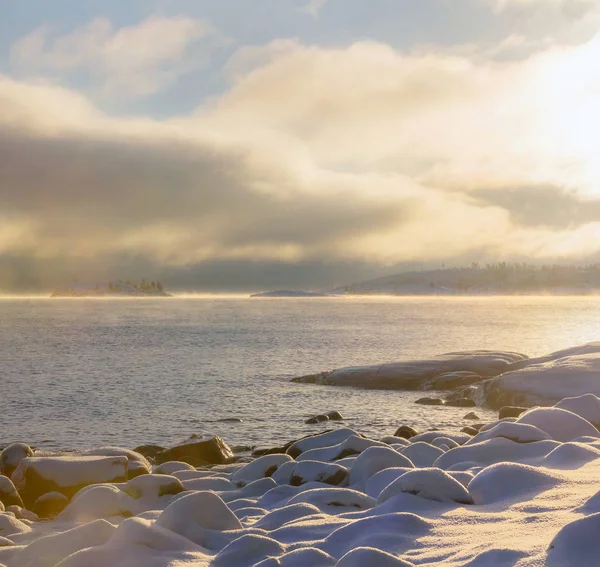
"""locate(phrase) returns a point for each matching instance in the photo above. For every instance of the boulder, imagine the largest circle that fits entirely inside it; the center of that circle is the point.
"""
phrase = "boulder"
(137, 464)
(469, 430)
(416, 374)
(471, 415)
(50, 505)
(212, 451)
(11, 456)
(430, 401)
(317, 471)
(511, 411)
(406, 432)
(36, 476)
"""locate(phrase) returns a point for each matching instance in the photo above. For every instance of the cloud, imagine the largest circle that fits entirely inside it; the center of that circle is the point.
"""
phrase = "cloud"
(361, 155)
(127, 62)
(313, 7)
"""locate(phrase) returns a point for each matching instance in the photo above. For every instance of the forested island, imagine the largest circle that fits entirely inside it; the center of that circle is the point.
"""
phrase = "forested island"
(497, 278)
(113, 289)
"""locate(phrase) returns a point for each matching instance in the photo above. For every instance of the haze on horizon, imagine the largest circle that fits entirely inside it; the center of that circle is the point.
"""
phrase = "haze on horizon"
(307, 143)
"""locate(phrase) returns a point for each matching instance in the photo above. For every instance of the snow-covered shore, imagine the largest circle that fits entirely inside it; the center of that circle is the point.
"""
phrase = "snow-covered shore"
(521, 492)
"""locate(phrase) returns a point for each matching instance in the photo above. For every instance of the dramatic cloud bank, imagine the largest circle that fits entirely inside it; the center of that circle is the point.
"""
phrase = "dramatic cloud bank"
(313, 155)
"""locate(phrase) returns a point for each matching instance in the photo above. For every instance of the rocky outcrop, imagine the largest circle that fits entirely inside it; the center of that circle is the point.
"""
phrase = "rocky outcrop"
(418, 374)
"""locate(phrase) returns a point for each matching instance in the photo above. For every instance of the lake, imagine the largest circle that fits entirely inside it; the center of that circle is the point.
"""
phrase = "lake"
(79, 373)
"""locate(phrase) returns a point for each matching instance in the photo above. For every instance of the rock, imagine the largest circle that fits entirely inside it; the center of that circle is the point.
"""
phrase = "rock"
(8, 493)
(317, 419)
(171, 467)
(262, 467)
(471, 415)
(406, 432)
(586, 406)
(149, 451)
(36, 476)
(50, 505)
(517, 432)
(335, 416)
(353, 445)
(430, 401)
(469, 430)
(324, 439)
(511, 411)
(229, 420)
(212, 451)
(452, 380)
(561, 425)
(11, 456)
(461, 403)
(547, 382)
(415, 374)
(422, 454)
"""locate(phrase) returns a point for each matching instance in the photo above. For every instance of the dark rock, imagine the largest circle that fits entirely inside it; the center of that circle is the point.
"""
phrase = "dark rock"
(511, 411)
(150, 451)
(462, 403)
(335, 416)
(477, 426)
(8, 493)
(471, 415)
(317, 419)
(430, 401)
(469, 431)
(229, 420)
(406, 432)
(12, 455)
(212, 451)
(50, 505)
(242, 448)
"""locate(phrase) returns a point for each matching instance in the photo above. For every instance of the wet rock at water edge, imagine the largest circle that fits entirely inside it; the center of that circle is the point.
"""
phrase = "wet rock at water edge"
(461, 403)
(452, 380)
(406, 432)
(430, 401)
(335, 416)
(511, 411)
(213, 451)
(471, 415)
(150, 451)
(317, 419)
(8, 493)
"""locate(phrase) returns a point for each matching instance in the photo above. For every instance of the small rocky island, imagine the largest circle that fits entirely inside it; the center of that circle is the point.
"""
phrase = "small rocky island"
(112, 289)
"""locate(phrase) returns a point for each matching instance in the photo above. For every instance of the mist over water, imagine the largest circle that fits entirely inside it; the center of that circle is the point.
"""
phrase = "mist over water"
(86, 373)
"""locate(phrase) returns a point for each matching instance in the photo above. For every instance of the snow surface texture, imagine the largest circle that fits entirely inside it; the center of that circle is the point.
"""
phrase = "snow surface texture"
(520, 494)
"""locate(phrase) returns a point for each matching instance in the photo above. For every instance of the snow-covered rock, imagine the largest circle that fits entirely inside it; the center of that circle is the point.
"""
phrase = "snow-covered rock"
(560, 424)
(373, 460)
(416, 374)
(317, 471)
(422, 454)
(353, 445)
(430, 483)
(545, 383)
(36, 476)
(260, 468)
(519, 432)
(137, 464)
(171, 467)
(362, 556)
(586, 406)
(510, 481)
(8, 493)
(327, 439)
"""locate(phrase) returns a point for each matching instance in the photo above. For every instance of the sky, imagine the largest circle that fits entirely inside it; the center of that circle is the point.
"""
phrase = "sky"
(238, 145)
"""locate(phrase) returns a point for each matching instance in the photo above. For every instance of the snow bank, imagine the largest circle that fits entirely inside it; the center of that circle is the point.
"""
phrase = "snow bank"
(560, 424)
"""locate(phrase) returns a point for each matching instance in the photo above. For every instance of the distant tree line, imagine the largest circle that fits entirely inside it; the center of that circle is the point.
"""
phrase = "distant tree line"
(144, 286)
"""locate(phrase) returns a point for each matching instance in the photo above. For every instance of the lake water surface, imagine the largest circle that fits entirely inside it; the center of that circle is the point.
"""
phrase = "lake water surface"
(79, 373)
